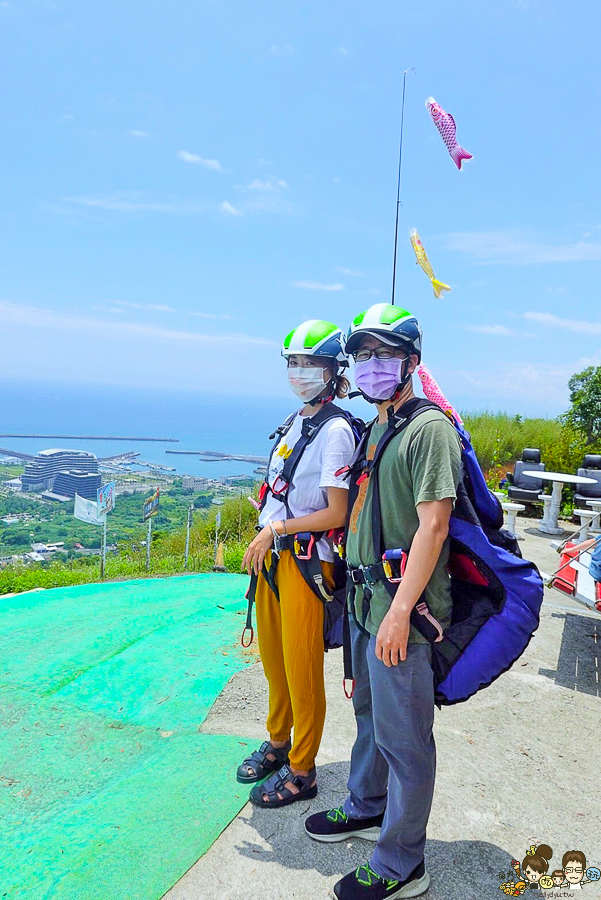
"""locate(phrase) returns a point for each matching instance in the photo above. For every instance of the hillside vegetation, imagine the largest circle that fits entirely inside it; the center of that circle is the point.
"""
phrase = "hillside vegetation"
(498, 439)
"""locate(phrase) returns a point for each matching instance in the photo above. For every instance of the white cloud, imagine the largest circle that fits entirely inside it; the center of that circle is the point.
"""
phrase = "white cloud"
(192, 358)
(506, 385)
(138, 134)
(491, 329)
(257, 203)
(227, 207)
(109, 309)
(133, 201)
(342, 51)
(213, 164)
(318, 286)
(575, 325)
(272, 184)
(34, 317)
(155, 307)
(344, 271)
(337, 180)
(203, 315)
(514, 248)
(282, 50)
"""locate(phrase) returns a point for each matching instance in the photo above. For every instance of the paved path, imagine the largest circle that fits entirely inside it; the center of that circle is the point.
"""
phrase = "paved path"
(517, 764)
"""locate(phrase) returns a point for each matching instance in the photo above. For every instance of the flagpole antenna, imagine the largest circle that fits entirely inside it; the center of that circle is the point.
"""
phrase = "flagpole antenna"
(398, 190)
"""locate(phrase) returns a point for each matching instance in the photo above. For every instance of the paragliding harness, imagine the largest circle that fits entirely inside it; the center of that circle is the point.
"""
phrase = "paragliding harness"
(496, 594)
(303, 545)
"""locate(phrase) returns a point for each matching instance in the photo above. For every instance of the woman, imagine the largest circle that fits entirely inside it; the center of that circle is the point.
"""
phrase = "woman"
(290, 628)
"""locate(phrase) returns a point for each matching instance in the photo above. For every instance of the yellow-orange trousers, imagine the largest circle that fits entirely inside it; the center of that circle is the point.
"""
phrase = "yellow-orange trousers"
(291, 646)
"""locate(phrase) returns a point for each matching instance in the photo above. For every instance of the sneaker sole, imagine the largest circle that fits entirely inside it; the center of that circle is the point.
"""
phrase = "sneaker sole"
(368, 834)
(413, 889)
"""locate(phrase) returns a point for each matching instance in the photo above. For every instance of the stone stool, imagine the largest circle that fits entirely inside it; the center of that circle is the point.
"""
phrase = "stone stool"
(512, 509)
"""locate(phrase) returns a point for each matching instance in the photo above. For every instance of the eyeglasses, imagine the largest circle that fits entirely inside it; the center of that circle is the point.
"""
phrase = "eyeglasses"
(577, 870)
(379, 353)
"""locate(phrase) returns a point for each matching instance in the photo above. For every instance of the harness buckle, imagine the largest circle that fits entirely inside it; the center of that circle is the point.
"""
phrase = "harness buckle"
(280, 542)
(360, 575)
(309, 428)
(354, 573)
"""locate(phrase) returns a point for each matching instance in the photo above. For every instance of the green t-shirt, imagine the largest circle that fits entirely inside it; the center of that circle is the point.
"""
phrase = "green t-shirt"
(421, 463)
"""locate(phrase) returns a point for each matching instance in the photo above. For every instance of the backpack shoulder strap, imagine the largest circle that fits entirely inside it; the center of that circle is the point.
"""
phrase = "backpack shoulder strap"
(309, 430)
(396, 424)
(275, 436)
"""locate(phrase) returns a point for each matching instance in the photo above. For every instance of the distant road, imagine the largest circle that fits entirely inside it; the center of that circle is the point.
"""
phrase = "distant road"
(89, 437)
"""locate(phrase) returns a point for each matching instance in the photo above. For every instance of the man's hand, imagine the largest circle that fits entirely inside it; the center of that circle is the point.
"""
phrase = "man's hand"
(257, 551)
(393, 633)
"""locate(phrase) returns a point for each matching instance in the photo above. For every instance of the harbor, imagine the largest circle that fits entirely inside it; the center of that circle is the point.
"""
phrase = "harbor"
(89, 437)
(216, 456)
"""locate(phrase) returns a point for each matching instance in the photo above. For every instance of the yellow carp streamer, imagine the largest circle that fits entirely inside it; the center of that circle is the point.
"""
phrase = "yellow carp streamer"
(422, 258)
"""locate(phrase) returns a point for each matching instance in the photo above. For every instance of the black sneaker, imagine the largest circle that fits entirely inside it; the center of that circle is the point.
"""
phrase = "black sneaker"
(365, 884)
(334, 825)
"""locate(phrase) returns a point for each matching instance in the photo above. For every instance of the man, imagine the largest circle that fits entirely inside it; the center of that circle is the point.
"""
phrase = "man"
(393, 761)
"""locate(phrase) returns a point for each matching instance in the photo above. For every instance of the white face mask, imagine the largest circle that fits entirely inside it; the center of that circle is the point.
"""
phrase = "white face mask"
(307, 383)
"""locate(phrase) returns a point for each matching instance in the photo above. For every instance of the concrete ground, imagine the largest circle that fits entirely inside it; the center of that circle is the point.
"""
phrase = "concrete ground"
(517, 764)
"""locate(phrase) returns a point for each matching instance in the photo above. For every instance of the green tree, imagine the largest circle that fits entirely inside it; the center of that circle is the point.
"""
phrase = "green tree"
(585, 397)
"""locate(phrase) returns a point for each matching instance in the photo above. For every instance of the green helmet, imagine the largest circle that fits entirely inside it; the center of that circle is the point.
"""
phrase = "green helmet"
(391, 324)
(316, 338)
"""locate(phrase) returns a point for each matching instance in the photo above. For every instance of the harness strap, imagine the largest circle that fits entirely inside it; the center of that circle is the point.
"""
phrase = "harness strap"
(347, 650)
(421, 617)
(251, 594)
(309, 429)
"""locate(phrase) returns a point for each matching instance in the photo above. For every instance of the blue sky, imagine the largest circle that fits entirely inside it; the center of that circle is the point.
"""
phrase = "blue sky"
(185, 182)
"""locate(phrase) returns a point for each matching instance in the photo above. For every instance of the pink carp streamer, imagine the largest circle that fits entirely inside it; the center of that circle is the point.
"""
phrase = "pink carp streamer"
(433, 393)
(447, 129)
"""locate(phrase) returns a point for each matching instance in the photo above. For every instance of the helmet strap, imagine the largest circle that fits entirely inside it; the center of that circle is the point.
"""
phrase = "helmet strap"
(320, 401)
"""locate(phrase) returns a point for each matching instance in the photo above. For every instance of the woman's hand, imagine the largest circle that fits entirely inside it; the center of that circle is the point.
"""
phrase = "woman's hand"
(257, 551)
(393, 633)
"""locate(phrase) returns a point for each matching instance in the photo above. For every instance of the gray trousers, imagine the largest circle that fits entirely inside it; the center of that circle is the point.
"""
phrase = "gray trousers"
(393, 763)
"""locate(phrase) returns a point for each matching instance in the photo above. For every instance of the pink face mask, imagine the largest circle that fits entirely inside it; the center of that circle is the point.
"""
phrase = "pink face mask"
(379, 378)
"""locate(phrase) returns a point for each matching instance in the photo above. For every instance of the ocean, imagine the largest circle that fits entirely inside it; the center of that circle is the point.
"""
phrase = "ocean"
(198, 421)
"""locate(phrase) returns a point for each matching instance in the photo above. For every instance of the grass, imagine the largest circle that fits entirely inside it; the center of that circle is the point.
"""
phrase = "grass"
(499, 440)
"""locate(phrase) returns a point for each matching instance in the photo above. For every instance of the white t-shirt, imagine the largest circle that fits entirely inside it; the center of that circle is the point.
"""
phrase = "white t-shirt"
(331, 449)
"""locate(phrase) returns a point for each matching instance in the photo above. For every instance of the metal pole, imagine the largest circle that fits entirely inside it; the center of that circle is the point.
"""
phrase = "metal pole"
(103, 552)
(148, 540)
(188, 536)
(398, 190)
(216, 544)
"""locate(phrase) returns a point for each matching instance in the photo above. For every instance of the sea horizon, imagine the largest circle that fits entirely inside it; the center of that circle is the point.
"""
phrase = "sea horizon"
(198, 421)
